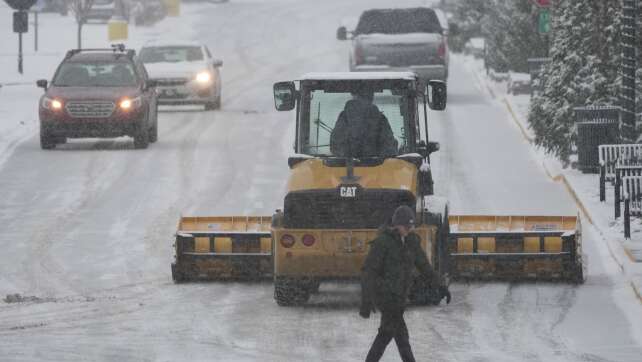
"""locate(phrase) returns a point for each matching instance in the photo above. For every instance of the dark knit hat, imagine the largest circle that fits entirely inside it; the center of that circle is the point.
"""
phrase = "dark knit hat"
(403, 216)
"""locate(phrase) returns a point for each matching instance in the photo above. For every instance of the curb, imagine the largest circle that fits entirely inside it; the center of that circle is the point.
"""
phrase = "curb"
(557, 178)
(636, 290)
(578, 202)
(9, 84)
(528, 137)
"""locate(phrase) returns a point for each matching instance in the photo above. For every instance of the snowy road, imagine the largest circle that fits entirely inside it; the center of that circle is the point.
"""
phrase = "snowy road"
(87, 227)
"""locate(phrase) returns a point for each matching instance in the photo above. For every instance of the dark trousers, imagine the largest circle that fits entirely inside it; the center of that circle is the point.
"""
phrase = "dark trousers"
(392, 326)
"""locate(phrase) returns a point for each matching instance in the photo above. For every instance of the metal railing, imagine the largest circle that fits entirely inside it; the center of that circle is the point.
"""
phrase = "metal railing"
(632, 187)
(611, 156)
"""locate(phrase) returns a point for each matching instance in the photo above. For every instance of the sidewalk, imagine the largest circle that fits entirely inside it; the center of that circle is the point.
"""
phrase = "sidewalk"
(583, 187)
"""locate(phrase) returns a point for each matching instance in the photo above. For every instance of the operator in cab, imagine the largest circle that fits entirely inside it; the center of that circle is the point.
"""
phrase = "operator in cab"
(362, 130)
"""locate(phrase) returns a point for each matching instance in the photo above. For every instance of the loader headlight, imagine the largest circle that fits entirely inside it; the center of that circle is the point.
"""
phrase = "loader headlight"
(287, 240)
(308, 240)
(204, 77)
(127, 104)
(52, 104)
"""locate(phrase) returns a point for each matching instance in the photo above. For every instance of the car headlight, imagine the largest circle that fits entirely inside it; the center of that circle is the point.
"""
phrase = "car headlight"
(204, 77)
(127, 104)
(52, 104)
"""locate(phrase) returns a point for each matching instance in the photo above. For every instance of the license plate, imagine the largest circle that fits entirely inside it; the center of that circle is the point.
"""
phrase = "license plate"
(169, 93)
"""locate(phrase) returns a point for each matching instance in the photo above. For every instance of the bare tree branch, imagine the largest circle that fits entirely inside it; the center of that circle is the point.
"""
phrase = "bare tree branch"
(80, 9)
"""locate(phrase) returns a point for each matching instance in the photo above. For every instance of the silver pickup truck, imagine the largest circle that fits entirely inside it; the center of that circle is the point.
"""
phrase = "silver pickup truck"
(399, 40)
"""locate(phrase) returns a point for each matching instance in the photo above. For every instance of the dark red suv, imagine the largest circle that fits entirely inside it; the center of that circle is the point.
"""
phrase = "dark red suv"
(99, 93)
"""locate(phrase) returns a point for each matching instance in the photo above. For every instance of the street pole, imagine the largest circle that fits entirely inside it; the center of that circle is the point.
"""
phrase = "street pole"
(20, 53)
(629, 66)
(35, 35)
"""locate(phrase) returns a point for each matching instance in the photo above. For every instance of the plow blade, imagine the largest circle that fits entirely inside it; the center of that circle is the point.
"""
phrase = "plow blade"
(223, 248)
(515, 248)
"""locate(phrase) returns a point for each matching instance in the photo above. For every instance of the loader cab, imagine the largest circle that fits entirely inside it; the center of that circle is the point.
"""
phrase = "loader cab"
(323, 99)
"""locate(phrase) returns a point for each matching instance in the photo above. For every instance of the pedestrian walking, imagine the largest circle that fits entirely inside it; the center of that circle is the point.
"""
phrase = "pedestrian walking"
(386, 280)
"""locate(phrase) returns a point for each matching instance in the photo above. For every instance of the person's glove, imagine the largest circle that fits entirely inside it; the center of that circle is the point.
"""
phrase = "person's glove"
(365, 310)
(445, 293)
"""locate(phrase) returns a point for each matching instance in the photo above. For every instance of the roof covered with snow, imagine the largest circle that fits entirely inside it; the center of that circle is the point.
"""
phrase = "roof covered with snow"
(171, 43)
(359, 76)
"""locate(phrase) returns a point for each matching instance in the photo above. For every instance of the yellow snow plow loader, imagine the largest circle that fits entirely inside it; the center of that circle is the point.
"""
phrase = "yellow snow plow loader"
(360, 153)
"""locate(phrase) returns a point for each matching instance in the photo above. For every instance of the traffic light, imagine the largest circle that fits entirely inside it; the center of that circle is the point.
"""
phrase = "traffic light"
(20, 22)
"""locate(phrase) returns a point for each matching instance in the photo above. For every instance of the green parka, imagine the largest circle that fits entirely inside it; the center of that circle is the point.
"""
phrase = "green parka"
(387, 273)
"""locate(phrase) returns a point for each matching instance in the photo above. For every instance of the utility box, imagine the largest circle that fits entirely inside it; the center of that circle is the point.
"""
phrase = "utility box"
(117, 29)
(595, 126)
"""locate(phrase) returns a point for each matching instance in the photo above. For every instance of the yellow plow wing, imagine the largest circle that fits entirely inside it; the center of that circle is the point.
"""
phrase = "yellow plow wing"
(219, 248)
(515, 247)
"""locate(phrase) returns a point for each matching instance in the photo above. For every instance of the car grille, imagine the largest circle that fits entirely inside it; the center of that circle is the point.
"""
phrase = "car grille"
(90, 109)
(322, 209)
(402, 56)
(171, 81)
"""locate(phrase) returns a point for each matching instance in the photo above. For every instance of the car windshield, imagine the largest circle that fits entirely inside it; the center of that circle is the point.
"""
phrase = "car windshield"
(75, 74)
(399, 21)
(325, 108)
(171, 54)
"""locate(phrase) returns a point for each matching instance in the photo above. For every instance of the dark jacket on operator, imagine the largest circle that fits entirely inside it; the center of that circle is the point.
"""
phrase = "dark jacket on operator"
(362, 131)
(388, 269)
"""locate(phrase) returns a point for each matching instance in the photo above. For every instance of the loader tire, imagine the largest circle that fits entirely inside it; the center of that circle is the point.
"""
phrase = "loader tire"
(177, 275)
(578, 275)
(290, 292)
(313, 286)
(443, 253)
(47, 141)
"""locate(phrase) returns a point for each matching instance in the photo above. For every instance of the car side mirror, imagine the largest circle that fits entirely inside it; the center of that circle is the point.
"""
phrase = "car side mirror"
(217, 62)
(42, 83)
(437, 95)
(342, 33)
(284, 96)
(425, 150)
(433, 147)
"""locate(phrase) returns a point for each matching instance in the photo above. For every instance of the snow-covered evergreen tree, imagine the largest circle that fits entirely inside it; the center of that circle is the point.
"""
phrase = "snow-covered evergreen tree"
(468, 15)
(584, 69)
(510, 29)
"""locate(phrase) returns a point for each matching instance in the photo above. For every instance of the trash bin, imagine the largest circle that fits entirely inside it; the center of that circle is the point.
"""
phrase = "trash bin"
(595, 126)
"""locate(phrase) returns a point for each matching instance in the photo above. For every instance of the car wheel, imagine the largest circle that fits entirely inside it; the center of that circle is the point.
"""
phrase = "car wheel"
(47, 141)
(141, 138)
(210, 106)
(218, 100)
(214, 105)
(153, 132)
